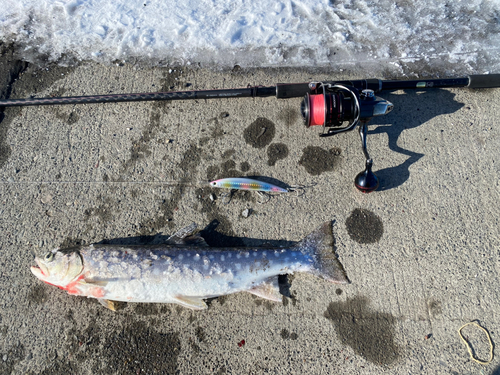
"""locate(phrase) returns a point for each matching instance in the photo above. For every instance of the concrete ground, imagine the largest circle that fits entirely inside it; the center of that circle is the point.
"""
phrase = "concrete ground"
(421, 252)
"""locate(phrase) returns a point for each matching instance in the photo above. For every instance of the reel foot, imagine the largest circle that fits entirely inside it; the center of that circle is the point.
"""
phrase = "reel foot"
(367, 181)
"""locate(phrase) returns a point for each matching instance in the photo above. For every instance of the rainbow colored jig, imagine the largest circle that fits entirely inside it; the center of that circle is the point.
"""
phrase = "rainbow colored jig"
(248, 184)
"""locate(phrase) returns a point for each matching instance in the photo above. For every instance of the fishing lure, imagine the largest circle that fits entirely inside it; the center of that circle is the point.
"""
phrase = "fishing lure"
(261, 187)
(248, 184)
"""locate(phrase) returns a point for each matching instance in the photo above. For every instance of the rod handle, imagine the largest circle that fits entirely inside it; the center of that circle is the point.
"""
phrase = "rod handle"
(484, 81)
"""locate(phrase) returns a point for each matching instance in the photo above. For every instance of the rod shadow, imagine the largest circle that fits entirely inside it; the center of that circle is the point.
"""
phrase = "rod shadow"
(411, 110)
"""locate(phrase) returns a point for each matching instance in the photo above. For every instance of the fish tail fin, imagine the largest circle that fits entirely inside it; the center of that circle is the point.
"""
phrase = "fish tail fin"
(320, 245)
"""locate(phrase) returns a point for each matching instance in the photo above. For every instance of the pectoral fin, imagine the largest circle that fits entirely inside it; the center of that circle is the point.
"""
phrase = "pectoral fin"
(195, 303)
(269, 289)
(112, 305)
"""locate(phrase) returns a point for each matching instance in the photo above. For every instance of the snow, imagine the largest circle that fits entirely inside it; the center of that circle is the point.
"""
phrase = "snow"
(440, 37)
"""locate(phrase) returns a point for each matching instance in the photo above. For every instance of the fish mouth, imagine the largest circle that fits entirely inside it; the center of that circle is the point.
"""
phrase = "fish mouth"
(39, 270)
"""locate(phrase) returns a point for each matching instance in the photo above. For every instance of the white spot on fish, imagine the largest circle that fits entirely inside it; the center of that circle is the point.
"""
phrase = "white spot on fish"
(197, 257)
(238, 256)
(264, 254)
(222, 258)
(180, 257)
(257, 264)
(211, 257)
(229, 255)
(254, 253)
(247, 254)
(238, 266)
(276, 254)
(153, 256)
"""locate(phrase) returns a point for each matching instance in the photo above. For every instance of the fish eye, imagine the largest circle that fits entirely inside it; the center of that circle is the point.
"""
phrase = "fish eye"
(49, 257)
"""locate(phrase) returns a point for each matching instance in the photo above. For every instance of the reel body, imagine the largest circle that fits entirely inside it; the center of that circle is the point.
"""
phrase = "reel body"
(333, 105)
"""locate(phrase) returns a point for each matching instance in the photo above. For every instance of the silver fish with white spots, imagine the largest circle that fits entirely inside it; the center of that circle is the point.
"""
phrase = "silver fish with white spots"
(185, 270)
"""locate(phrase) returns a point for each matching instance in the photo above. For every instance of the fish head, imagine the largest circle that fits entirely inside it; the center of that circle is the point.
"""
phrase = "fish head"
(58, 267)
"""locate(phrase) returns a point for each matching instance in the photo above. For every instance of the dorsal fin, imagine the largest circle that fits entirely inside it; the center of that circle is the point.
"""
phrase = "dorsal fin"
(186, 236)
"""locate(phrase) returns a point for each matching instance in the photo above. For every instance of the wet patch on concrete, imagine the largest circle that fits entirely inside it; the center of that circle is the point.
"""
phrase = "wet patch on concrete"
(200, 333)
(369, 333)
(165, 217)
(245, 166)
(173, 79)
(103, 212)
(69, 118)
(216, 131)
(11, 70)
(285, 335)
(71, 242)
(224, 170)
(11, 358)
(259, 133)
(146, 309)
(269, 305)
(38, 295)
(228, 153)
(338, 291)
(289, 116)
(140, 148)
(317, 160)
(275, 152)
(141, 349)
(364, 226)
(434, 308)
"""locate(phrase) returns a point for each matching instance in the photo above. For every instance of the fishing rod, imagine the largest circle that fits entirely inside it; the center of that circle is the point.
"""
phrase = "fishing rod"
(337, 106)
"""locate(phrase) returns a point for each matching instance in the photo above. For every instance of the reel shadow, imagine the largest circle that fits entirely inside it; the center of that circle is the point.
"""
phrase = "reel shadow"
(426, 105)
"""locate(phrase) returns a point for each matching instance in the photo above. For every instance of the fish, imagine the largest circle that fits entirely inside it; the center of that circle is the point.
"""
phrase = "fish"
(185, 270)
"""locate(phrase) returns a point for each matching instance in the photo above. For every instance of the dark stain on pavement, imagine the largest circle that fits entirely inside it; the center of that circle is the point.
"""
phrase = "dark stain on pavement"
(275, 152)
(216, 131)
(369, 333)
(71, 242)
(245, 166)
(317, 160)
(103, 212)
(141, 349)
(285, 335)
(38, 294)
(364, 226)
(289, 116)
(200, 333)
(140, 148)
(11, 358)
(69, 118)
(190, 161)
(434, 307)
(259, 133)
(146, 309)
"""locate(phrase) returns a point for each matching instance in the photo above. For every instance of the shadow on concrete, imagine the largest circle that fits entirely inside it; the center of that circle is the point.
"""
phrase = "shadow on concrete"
(412, 109)
(209, 233)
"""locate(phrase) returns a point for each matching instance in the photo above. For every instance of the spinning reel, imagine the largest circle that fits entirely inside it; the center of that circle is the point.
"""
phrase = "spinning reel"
(333, 105)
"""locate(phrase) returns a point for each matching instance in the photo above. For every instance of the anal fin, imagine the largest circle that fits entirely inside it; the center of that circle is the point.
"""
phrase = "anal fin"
(269, 289)
(195, 303)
